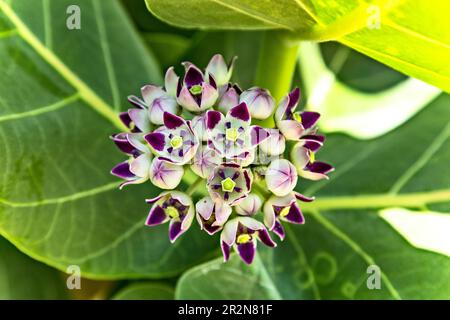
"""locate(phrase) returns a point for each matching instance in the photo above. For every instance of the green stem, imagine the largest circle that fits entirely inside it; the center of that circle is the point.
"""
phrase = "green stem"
(276, 66)
(194, 186)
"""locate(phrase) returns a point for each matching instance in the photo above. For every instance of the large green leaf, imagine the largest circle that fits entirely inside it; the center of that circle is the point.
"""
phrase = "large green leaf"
(145, 291)
(60, 90)
(411, 35)
(328, 257)
(23, 278)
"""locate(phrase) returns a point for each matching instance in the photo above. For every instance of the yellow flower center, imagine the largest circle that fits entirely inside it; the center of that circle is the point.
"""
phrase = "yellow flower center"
(197, 89)
(243, 238)
(176, 142)
(285, 211)
(298, 117)
(312, 156)
(231, 134)
(172, 212)
(228, 185)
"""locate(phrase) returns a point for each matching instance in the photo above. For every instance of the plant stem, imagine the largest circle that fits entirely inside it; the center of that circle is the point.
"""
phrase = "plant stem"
(276, 66)
(194, 186)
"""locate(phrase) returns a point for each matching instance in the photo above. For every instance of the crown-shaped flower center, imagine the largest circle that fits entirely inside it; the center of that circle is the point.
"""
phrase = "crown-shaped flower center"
(172, 212)
(312, 156)
(243, 238)
(297, 116)
(228, 185)
(176, 142)
(285, 211)
(196, 89)
(232, 134)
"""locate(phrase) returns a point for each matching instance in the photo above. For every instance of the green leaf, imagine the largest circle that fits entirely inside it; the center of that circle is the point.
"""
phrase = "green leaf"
(145, 291)
(328, 257)
(60, 91)
(222, 281)
(425, 229)
(408, 35)
(22, 278)
(360, 114)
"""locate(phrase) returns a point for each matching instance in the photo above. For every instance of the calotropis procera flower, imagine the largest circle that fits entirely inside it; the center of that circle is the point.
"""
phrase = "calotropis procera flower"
(176, 141)
(286, 208)
(291, 123)
(200, 139)
(304, 158)
(211, 215)
(232, 135)
(241, 233)
(173, 206)
(197, 92)
(158, 100)
(259, 102)
(229, 183)
(281, 177)
(220, 70)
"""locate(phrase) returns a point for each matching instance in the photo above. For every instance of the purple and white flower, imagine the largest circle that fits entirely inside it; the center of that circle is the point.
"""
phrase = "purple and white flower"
(176, 142)
(205, 161)
(281, 177)
(173, 206)
(259, 102)
(220, 70)
(304, 159)
(232, 135)
(242, 234)
(164, 174)
(286, 208)
(275, 144)
(229, 98)
(157, 100)
(197, 92)
(229, 183)
(212, 215)
(249, 206)
(294, 124)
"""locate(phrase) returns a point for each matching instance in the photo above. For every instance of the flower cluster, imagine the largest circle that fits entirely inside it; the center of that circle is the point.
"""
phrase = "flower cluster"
(203, 125)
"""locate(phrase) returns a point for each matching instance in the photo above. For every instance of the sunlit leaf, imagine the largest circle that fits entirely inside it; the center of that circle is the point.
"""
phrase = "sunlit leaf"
(408, 35)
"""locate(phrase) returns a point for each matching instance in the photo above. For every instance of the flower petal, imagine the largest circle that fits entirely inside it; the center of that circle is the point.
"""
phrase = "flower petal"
(225, 250)
(156, 216)
(295, 215)
(164, 174)
(249, 206)
(205, 160)
(141, 165)
(320, 167)
(156, 140)
(259, 102)
(160, 105)
(122, 170)
(175, 230)
(279, 230)
(213, 118)
(193, 76)
(171, 82)
(140, 119)
(125, 118)
(265, 238)
(187, 101)
(240, 112)
(205, 207)
(309, 118)
(229, 99)
(300, 156)
(258, 135)
(281, 177)
(247, 251)
(172, 121)
(229, 231)
(151, 92)
(209, 96)
(122, 143)
(312, 142)
(219, 69)
(275, 144)
(291, 129)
